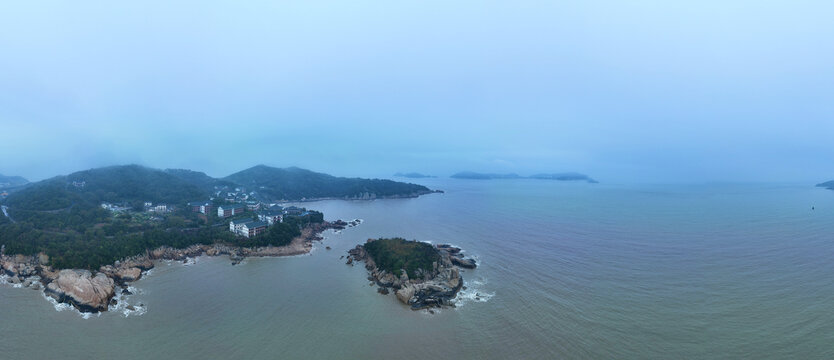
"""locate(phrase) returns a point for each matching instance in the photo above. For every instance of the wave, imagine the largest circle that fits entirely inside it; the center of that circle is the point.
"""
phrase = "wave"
(124, 308)
(67, 307)
(473, 293)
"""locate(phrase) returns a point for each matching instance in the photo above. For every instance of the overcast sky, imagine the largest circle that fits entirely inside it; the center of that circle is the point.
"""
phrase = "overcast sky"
(625, 91)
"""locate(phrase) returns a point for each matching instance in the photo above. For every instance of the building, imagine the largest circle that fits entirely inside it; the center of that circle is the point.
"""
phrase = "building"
(195, 206)
(270, 217)
(225, 211)
(204, 207)
(253, 205)
(293, 210)
(114, 207)
(247, 227)
(254, 228)
(159, 208)
(236, 225)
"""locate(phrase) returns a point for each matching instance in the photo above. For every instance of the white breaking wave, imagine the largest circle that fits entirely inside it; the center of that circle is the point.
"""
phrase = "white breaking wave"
(122, 304)
(64, 307)
(474, 292)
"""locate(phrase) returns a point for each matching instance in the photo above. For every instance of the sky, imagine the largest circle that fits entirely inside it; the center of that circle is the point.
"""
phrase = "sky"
(625, 91)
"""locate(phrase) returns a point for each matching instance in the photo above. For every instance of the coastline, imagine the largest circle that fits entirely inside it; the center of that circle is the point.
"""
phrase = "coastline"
(99, 291)
(365, 197)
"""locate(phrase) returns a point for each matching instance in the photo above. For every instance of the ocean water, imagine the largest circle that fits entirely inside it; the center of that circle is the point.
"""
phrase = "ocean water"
(567, 270)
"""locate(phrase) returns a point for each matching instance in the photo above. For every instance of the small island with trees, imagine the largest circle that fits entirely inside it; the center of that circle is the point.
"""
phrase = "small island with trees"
(422, 275)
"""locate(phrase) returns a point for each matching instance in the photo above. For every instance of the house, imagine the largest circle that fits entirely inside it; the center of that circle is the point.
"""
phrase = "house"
(270, 217)
(225, 211)
(254, 228)
(159, 208)
(79, 184)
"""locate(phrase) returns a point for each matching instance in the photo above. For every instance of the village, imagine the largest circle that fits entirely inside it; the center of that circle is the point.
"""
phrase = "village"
(232, 204)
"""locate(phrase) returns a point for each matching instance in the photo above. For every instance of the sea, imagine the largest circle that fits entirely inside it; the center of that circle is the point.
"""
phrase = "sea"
(566, 271)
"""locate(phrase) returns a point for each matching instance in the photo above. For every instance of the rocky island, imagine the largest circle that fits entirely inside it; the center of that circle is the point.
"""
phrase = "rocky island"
(421, 275)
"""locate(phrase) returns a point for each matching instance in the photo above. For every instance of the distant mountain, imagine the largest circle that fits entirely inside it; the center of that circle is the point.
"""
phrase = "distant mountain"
(564, 177)
(828, 185)
(482, 176)
(88, 188)
(296, 184)
(555, 176)
(200, 179)
(12, 181)
(413, 175)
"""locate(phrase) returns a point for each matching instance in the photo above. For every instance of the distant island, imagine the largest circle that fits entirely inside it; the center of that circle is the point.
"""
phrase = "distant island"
(484, 176)
(828, 185)
(413, 175)
(422, 275)
(555, 176)
(90, 231)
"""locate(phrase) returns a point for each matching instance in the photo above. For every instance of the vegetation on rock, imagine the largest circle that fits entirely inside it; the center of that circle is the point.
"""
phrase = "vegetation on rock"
(394, 255)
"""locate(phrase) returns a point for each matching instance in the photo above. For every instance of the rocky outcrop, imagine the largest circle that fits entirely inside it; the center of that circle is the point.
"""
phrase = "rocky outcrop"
(79, 288)
(455, 255)
(433, 288)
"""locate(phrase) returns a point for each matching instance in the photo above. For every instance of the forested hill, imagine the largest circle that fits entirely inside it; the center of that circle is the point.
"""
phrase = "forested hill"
(12, 181)
(294, 184)
(200, 179)
(131, 184)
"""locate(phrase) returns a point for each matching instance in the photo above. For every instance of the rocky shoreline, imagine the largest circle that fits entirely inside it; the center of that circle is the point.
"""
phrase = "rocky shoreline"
(435, 288)
(94, 292)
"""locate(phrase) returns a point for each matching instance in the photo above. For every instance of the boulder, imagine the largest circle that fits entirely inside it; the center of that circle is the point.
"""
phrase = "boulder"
(405, 293)
(129, 274)
(464, 263)
(80, 289)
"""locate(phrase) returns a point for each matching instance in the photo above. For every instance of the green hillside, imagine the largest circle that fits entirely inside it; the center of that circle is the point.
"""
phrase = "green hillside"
(294, 184)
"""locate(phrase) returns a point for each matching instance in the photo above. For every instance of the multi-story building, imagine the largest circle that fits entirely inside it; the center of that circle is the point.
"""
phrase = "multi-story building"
(225, 211)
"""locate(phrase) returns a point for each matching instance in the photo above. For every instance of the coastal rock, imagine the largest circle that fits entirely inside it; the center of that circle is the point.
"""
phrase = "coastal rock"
(82, 290)
(129, 274)
(405, 293)
(464, 263)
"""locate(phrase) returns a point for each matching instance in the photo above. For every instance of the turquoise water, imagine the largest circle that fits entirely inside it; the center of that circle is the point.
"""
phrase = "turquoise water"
(566, 271)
